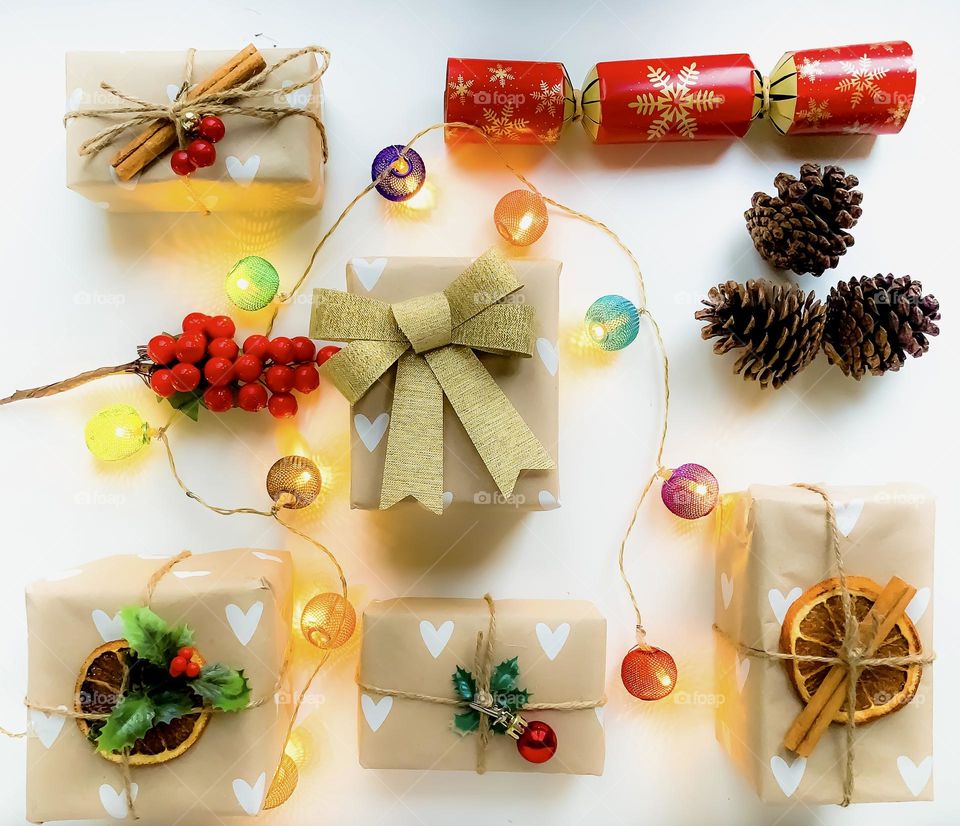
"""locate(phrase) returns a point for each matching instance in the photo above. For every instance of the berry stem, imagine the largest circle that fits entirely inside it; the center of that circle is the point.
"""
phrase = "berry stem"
(140, 366)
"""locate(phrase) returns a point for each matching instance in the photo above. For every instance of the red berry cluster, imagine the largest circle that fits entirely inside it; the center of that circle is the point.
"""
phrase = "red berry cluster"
(206, 360)
(183, 663)
(200, 151)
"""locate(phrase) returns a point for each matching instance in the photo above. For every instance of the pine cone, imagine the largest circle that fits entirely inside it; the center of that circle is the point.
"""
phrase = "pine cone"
(873, 324)
(804, 228)
(778, 327)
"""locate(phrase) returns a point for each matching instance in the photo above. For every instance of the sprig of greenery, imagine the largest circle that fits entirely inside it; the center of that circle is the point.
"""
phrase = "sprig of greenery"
(153, 697)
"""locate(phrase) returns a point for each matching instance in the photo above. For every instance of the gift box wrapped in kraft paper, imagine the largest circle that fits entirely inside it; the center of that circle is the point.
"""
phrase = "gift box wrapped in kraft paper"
(237, 604)
(452, 370)
(435, 674)
(820, 591)
(127, 111)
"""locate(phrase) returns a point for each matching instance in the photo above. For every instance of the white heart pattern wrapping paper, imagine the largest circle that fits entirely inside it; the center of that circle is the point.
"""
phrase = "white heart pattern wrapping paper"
(414, 645)
(773, 547)
(239, 605)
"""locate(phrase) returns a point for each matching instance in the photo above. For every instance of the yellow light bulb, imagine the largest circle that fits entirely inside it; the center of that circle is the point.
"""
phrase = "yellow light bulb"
(284, 783)
(116, 433)
(328, 620)
(401, 166)
(294, 482)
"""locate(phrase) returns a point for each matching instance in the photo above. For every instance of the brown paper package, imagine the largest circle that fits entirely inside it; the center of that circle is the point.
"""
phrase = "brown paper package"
(260, 166)
(238, 603)
(531, 385)
(416, 645)
(773, 546)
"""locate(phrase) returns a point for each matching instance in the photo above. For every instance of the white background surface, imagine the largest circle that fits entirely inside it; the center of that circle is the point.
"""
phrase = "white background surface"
(82, 288)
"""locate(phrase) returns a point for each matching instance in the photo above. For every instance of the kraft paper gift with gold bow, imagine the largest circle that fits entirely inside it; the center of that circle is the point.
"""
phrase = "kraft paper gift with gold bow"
(238, 603)
(773, 547)
(413, 646)
(260, 166)
(451, 368)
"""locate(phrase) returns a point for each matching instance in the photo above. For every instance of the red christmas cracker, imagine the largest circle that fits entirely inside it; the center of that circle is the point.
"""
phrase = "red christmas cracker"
(669, 99)
(514, 101)
(862, 89)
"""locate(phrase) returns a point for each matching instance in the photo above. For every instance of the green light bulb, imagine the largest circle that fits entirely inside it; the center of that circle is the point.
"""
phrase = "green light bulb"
(252, 283)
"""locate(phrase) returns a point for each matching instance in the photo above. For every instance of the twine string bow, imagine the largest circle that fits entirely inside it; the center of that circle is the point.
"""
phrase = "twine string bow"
(138, 111)
(483, 669)
(851, 655)
(432, 340)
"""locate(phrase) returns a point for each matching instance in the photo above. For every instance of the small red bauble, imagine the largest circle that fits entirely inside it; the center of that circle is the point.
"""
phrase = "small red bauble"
(202, 153)
(279, 378)
(218, 399)
(224, 347)
(252, 397)
(185, 377)
(281, 350)
(192, 670)
(211, 128)
(195, 323)
(256, 345)
(191, 347)
(326, 353)
(648, 673)
(247, 367)
(181, 163)
(220, 326)
(162, 349)
(303, 349)
(218, 371)
(186, 652)
(161, 381)
(177, 666)
(306, 379)
(537, 743)
(282, 406)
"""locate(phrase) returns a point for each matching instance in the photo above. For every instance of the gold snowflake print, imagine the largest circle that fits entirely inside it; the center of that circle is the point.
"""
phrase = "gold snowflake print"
(810, 69)
(552, 135)
(898, 114)
(501, 74)
(861, 80)
(815, 113)
(674, 102)
(503, 124)
(548, 97)
(460, 88)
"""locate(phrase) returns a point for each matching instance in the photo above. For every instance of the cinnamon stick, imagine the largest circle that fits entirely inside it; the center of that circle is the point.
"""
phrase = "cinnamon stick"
(157, 137)
(815, 718)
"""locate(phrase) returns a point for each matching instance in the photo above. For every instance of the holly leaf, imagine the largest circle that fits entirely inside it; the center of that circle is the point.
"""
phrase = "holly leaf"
(467, 721)
(464, 684)
(222, 687)
(129, 720)
(187, 403)
(505, 676)
(150, 637)
(514, 700)
(172, 704)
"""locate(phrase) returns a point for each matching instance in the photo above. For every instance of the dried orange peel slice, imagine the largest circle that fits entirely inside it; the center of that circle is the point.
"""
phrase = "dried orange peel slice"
(99, 688)
(814, 626)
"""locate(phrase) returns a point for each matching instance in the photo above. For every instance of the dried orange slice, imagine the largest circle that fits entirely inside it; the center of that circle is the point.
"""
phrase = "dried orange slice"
(99, 687)
(814, 626)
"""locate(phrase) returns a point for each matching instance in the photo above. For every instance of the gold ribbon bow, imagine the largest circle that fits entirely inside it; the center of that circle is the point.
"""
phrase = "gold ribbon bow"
(432, 339)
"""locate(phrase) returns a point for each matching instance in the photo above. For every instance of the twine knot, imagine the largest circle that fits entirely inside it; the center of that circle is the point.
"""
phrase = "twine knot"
(138, 111)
